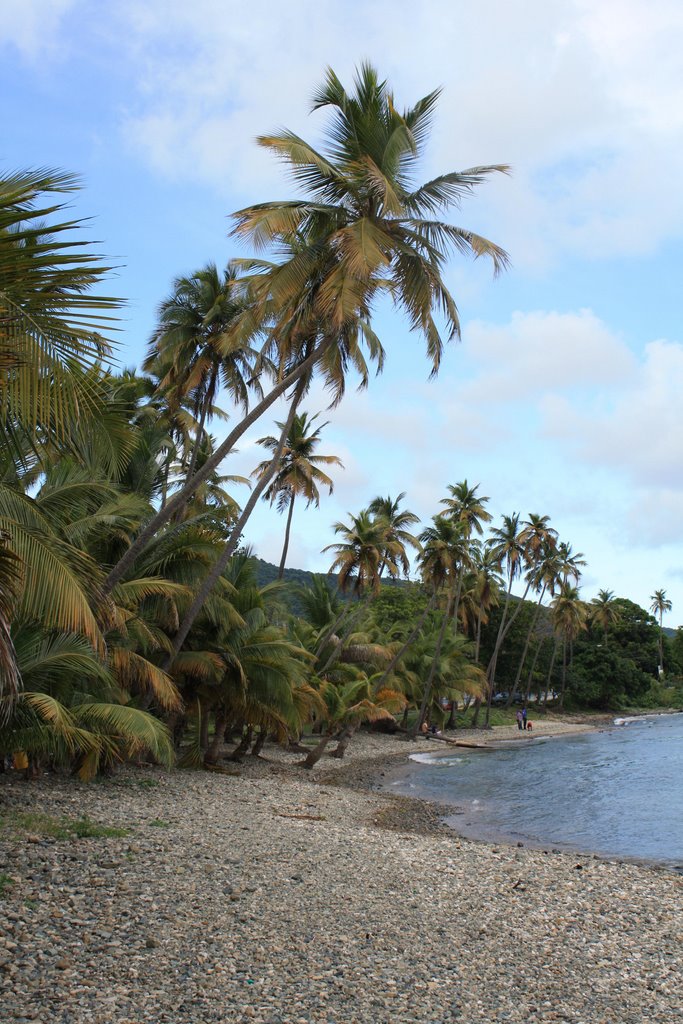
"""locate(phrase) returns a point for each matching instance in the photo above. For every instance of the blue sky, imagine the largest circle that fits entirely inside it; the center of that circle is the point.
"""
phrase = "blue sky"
(564, 396)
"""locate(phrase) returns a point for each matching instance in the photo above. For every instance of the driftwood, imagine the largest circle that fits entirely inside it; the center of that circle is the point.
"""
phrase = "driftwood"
(456, 743)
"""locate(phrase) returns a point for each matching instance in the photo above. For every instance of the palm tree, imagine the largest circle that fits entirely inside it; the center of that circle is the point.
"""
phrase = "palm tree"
(604, 611)
(50, 322)
(298, 472)
(366, 549)
(193, 352)
(660, 604)
(466, 506)
(439, 561)
(509, 546)
(569, 616)
(364, 228)
(397, 520)
(540, 542)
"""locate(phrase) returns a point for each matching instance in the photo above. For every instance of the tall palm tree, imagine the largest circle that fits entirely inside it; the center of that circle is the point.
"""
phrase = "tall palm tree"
(367, 548)
(439, 562)
(509, 546)
(299, 472)
(364, 228)
(604, 611)
(569, 616)
(466, 508)
(540, 542)
(660, 604)
(397, 520)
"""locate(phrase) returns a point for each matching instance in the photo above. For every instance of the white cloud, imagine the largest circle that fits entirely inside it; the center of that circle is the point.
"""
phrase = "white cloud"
(585, 100)
(32, 26)
(637, 431)
(541, 352)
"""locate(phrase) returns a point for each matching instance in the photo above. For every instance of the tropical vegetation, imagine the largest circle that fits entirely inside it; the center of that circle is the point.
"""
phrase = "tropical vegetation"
(134, 622)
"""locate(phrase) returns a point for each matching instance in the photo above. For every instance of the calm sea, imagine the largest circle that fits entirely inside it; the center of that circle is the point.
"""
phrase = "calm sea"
(618, 793)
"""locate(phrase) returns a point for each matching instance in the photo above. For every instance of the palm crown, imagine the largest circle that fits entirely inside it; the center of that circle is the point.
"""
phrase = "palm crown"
(364, 226)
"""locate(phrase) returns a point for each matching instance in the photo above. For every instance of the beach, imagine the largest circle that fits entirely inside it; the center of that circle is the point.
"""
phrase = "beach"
(277, 895)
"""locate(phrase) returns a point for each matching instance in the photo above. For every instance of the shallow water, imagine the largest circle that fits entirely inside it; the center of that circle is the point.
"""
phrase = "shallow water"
(616, 793)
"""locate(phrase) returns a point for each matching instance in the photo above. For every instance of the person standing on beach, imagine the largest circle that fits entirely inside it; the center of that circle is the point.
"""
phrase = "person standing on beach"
(520, 720)
(524, 718)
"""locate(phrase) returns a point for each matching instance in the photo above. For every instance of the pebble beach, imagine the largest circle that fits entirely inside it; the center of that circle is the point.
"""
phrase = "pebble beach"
(272, 895)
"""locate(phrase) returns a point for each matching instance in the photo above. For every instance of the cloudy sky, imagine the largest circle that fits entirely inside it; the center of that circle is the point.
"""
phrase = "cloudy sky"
(564, 396)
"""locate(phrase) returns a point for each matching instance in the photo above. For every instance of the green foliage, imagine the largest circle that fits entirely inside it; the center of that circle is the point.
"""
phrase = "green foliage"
(396, 608)
(6, 883)
(59, 828)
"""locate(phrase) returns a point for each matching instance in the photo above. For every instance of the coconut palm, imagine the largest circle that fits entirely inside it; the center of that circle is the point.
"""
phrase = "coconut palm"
(347, 705)
(604, 611)
(439, 563)
(50, 321)
(660, 604)
(466, 506)
(363, 228)
(192, 351)
(398, 520)
(365, 548)
(299, 473)
(569, 616)
(509, 547)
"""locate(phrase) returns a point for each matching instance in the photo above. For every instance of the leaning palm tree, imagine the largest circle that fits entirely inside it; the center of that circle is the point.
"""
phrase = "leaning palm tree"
(660, 604)
(363, 228)
(299, 473)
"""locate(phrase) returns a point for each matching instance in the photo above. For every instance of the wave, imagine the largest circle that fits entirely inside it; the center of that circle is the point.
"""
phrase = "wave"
(437, 760)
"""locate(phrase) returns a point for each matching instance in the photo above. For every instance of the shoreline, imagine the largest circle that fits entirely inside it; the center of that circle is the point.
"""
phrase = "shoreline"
(279, 896)
(367, 773)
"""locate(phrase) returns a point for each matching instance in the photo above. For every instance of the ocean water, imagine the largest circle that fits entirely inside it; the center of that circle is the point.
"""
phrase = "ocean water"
(617, 792)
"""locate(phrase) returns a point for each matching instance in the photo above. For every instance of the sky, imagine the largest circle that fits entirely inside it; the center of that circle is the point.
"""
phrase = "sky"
(563, 397)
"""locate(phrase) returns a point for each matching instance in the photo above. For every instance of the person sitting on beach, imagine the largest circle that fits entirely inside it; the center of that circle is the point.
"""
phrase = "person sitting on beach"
(529, 726)
(424, 728)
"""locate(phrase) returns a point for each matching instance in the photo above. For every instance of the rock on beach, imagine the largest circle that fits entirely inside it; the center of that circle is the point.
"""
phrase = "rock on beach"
(283, 897)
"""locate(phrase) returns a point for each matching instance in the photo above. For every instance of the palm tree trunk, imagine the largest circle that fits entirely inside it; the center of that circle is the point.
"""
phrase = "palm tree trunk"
(281, 570)
(477, 645)
(564, 672)
(343, 741)
(211, 755)
(503, 631)
(339, 649)
(532, 627)
(411, 639)
(243, 745)
(258, 746)
(229, 549)
(180, 499)
(331, 630)
(532, 669)
(426, 696)
(550, 669)
(661, 642)
(317, 752)
(200, 429)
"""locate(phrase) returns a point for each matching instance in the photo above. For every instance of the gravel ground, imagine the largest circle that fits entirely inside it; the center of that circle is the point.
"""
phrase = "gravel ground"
(278, 896)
